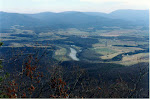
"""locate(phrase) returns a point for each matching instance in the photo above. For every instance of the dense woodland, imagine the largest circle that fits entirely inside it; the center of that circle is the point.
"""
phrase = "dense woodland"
(33, 76)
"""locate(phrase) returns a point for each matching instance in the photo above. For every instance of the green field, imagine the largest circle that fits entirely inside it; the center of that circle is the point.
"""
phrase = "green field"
(104, 50)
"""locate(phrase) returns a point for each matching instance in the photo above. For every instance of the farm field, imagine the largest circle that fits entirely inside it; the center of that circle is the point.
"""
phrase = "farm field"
(97, 46)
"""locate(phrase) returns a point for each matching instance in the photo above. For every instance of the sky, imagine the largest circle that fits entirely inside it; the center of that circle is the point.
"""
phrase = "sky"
(36, 6)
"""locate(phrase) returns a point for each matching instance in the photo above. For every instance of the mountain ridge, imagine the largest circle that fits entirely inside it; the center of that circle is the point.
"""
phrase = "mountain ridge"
(76, 19)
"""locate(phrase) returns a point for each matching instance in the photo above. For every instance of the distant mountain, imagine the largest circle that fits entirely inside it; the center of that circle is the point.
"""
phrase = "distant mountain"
(9, 19)
(43, 15)
(97, 14)
(132, 15)
(79, 19)
(74, 19)
(141, 17)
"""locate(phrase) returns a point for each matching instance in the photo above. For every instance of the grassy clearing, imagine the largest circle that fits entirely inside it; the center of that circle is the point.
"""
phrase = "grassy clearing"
(46, 34)
(61, 51)
(114, 41)
(110, 56)
(108, 51)
(104, 50)
(126, 49)
(72, 31)
(61, 54)
(134, 59)
(126, 32)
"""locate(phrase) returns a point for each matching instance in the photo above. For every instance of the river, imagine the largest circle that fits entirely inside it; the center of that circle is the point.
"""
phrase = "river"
(73, 54)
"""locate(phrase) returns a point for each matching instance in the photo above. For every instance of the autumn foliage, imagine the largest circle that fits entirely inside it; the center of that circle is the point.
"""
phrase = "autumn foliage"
(32, 82)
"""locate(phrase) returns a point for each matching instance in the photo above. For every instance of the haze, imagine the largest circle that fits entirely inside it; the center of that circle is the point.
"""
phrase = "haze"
(35, 6)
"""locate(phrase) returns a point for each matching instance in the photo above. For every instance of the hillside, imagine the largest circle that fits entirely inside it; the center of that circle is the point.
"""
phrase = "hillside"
(9, 19)
(119, 18)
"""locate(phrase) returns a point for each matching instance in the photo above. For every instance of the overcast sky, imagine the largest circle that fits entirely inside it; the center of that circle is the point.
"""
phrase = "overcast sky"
(35, 6)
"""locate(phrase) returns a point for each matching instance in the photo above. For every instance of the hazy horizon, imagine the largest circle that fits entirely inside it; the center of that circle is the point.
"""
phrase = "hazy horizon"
(38, 6)
(69, 11)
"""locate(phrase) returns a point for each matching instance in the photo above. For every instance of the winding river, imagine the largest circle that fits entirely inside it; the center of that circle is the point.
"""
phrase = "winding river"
(73, 54)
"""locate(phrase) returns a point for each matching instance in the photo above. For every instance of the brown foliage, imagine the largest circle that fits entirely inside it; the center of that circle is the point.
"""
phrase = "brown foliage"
(32, 83)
